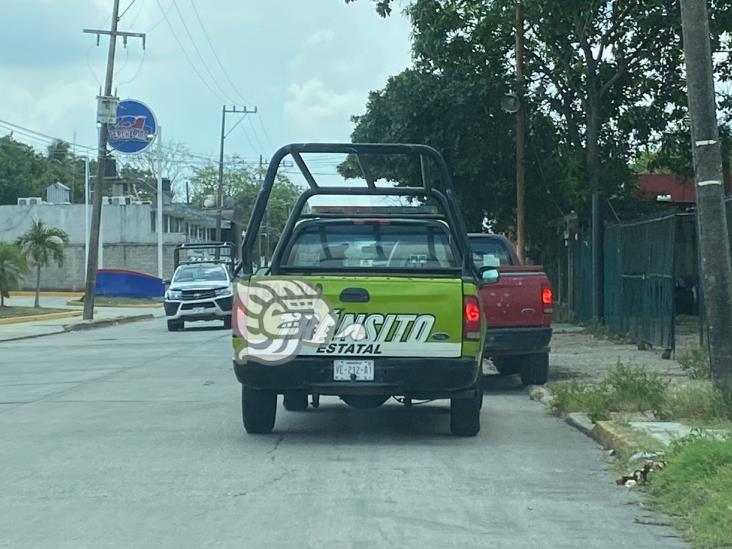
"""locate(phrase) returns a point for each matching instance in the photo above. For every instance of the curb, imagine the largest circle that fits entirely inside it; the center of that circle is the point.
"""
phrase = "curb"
(32, 318)
(609, 435)
(613, 436)
(75, 303)
(104, 322)
(26, 293)
(581, 422)
(84, 325)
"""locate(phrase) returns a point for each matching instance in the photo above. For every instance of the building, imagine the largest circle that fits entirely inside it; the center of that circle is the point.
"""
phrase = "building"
(128, 237)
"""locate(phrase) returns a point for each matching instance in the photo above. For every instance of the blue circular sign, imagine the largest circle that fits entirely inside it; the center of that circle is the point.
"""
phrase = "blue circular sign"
(135, 129)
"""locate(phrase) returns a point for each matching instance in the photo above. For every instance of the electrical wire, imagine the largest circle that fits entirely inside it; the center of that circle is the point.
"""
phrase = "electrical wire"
(198, 52)
(216, 56)
(88, 64)
(137, 72)
(185, 53)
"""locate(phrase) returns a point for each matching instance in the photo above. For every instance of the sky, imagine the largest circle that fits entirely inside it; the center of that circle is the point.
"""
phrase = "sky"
(307, 65)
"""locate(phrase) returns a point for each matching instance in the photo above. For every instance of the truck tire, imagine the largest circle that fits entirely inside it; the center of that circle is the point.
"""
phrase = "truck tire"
(535, 369)
(175, 325)
(227, 323)
(258, 410)
(465, 416)
(295, 402)
(507, 365)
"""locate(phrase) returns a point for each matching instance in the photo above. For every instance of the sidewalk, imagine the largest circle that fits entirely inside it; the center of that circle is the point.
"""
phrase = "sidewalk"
(9, 332)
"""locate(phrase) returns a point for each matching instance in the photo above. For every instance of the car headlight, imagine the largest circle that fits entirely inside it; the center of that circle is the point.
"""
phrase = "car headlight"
(223, 291)
(174, 294)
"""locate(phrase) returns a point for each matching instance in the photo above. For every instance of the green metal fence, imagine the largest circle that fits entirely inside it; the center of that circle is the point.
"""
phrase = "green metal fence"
(639, 280)
(581, 272)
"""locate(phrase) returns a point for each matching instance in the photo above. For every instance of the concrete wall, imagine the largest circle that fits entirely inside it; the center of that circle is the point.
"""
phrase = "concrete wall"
(128, 239)
(132, 223)
(134, 257)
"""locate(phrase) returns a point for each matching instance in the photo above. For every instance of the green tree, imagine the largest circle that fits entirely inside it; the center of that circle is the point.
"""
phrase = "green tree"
(26, 172)
(241, 186)
(13, 267)
(460, 115)
(609, 72)
(41, 244)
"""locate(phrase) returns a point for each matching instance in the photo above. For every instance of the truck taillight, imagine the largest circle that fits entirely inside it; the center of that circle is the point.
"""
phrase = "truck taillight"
(546, 299)
(471, 317)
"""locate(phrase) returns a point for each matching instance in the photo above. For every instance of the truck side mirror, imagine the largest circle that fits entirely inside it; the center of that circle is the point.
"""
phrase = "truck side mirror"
(489, 275)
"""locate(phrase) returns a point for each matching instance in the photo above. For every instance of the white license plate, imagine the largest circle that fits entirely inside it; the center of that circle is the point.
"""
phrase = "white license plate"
(199, 310)
(353, 370)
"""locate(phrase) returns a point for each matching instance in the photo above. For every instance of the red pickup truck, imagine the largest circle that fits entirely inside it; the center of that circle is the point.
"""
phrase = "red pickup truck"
(518, 310)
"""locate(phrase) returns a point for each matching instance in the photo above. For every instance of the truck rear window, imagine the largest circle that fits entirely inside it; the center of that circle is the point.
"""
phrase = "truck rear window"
(371, 245)
(488, 252)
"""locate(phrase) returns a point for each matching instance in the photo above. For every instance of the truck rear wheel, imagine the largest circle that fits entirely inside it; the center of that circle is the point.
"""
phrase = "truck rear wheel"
(506, 365)
(258, 410)
(295, 402)
(465, 415)
(535, 369)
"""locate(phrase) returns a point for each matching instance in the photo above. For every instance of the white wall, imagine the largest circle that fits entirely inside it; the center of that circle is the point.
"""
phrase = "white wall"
(120, 224)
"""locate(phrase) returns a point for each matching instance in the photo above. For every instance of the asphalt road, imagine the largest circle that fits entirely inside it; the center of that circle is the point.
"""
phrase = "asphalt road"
(131, 437)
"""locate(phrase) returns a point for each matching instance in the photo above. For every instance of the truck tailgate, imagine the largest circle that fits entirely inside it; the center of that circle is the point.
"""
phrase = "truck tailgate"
(516, 299)
(403, 316)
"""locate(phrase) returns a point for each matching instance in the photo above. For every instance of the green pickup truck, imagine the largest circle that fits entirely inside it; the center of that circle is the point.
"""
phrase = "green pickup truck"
(364, 306)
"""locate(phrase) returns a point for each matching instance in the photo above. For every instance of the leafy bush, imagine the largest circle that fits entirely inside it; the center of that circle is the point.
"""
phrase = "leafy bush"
(575, 397)
(635, 390)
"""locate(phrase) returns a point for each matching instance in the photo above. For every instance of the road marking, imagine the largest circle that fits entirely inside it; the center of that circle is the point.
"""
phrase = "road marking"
(711, 182)
(706, 143)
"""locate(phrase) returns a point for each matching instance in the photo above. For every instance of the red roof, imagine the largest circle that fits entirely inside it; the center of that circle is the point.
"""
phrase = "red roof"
(680, 189)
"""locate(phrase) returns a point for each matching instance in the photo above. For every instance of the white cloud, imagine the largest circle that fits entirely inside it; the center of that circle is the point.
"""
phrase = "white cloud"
(312, 107)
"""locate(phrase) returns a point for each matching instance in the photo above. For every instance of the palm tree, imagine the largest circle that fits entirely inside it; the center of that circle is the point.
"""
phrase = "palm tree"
(41, 244)
(13, 268)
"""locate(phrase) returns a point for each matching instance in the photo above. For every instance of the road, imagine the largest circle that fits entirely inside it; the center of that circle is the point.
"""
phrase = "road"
(131, 436)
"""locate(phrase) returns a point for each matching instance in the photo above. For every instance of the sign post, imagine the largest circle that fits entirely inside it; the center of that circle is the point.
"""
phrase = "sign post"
(135, 130)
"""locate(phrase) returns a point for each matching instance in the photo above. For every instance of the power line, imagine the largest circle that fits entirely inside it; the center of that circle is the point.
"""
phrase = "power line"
(216, 56)
(198, 52)
(185, 53)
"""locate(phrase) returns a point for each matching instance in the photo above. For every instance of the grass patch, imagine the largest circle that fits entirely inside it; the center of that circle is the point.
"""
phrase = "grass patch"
(696, 487)
(624, 390)
(694, 402)
(13, 312)
(628, 389)
(696, 363)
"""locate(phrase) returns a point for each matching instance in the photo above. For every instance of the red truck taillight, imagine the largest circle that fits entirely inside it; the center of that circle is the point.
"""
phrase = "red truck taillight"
(471, 317)
(546, 299)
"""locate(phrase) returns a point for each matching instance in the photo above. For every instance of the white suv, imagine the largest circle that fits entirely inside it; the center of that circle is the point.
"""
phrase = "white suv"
(199, 291)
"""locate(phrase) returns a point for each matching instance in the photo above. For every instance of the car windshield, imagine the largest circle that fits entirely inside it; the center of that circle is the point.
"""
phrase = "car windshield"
(203, 273)
(372, 244)
(490, 252)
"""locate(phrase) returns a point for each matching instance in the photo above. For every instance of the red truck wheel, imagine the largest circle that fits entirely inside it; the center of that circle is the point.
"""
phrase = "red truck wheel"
(535, 369)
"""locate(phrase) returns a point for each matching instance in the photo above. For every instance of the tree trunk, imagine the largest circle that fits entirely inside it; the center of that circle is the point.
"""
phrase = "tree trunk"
(593, 146)
(37, 304)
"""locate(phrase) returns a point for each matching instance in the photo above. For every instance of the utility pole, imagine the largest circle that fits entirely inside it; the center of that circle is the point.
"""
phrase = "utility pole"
(711, 216)
(520, 137)
(220, 195)
(92, 262)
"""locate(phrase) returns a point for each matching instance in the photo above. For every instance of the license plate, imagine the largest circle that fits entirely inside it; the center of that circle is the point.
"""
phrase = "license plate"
(353, 370)
(199, 310)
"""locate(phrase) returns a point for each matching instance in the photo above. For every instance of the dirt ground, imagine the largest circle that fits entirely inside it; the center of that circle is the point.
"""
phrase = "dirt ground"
(577, 354)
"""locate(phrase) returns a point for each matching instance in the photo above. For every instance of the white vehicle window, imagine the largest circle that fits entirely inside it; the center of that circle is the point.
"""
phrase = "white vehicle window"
(203, 273)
